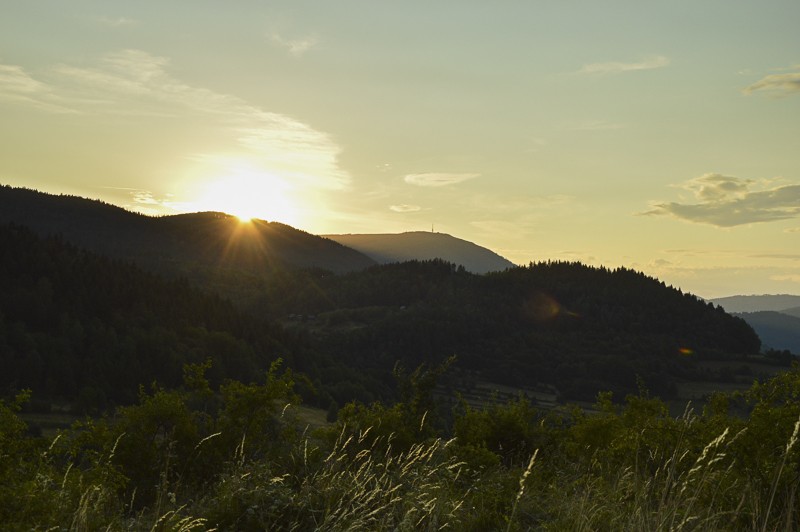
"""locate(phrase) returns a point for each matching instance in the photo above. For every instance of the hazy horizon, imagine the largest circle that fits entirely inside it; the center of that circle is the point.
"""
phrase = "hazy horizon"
(662, 138)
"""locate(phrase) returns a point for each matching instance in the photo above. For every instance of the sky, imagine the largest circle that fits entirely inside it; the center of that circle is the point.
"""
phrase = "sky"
(658, 136)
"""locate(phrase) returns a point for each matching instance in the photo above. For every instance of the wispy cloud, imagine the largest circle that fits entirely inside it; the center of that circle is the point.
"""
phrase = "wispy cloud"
(779, 256)
(793, 278)
(143, 201)
(778, 84)
(14, 80)
(726, 201)
(405, 208)
(116, 22)
(437, 179)
(296, 47)
(18, 86)
(134, 82)
(616, 67)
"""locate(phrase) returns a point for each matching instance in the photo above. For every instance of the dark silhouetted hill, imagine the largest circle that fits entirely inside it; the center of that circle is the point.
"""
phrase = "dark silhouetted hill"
(578, 328)
(175, 243)
(420, 245)
(85, 328)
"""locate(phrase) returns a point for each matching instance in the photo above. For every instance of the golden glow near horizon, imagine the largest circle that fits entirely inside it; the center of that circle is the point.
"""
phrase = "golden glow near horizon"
(661, 137)
(246, 192)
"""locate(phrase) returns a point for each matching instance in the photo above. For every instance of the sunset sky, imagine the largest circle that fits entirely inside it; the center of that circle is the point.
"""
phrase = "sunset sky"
(660, 136)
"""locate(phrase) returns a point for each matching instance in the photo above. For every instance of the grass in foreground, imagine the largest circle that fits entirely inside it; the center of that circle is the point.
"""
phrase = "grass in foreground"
(234, 459)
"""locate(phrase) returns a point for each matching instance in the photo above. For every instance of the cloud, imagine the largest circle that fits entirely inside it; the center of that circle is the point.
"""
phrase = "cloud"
(145, 197)
(791, 278)
(437, 179)
(777, 84)
(14, 80)
(116, 22)
(725, 201)
(405, 208)
(142, 201)
(712, 187)
(615, 67)
(296, 47)
(779, 256)
(136, 83)
(18, 86)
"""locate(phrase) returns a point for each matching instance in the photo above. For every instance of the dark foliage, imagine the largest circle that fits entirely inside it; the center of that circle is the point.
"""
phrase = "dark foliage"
(81, 327)
(581, 328)
(88, 328)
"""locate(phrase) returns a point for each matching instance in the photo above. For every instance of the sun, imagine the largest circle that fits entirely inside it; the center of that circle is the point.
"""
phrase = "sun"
(250, 193)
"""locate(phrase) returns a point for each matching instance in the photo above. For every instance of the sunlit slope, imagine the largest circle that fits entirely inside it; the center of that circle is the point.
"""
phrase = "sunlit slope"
(420, 245)
(170, 243)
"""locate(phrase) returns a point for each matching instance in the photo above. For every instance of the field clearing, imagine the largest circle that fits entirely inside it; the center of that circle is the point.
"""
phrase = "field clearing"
(49, 423)
(313, 418)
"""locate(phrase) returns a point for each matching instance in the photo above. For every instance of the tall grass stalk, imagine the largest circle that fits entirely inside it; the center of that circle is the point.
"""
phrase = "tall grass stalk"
(368, 487)
(789, 507)
(521, 491)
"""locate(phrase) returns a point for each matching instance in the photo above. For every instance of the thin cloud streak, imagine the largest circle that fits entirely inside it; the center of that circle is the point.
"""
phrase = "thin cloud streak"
(405, 208)
(617, 67)
(116, 22)
(296, 47)
(726, 201)
(777, 84)
(17, 86)
(437, 179)
(791, 278)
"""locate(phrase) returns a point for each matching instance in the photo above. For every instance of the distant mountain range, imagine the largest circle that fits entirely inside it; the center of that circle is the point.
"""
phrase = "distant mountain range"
(776, 318)
(776, 303)
(777, 330)
(421, 245)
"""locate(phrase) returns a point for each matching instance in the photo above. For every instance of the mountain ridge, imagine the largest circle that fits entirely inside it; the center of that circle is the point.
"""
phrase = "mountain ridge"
(757, 303)
(777, 330)
(385, 248)
(177, 242)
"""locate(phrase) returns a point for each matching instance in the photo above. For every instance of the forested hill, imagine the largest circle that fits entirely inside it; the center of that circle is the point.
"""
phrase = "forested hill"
(579, 328)
(74, 323)
(420, 245)
(78, 326)
(184, 243)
